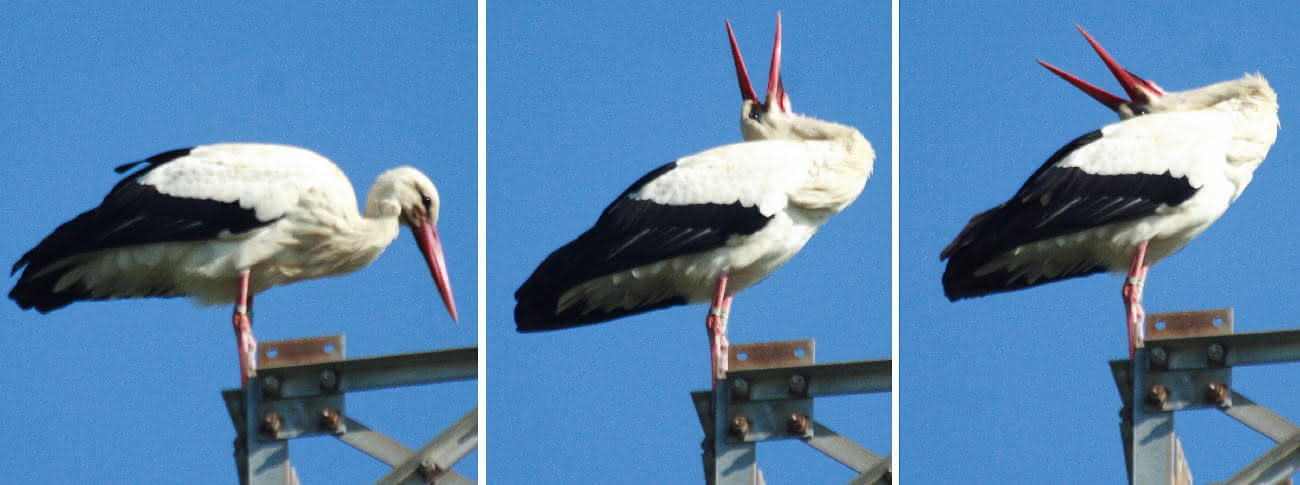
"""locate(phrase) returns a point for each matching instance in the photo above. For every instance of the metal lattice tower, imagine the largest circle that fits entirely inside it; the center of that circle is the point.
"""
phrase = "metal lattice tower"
(1187, 364)
(768, 395)
(300, 391)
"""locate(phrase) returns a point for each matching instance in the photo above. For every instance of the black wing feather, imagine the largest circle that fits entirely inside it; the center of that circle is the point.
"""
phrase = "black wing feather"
(629, 233)
(1055, 201)
(131, 214)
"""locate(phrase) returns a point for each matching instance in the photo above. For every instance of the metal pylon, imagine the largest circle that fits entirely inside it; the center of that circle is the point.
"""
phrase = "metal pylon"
(1187, 363)
(768, 395)
(300, 391)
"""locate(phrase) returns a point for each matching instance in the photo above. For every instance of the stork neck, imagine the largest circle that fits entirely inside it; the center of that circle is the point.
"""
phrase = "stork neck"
(813, 129)
(364, 240)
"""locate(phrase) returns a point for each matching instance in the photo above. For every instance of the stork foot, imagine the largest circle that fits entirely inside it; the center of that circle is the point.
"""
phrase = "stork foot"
(720, 346)
(716, 324)
(1133, 286)
(247, 347)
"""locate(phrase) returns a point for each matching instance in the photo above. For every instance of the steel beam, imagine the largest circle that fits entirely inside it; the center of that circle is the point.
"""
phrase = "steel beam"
(432, 464)
(1152, 442)
(1260, 418)
(1274, 467)
(374, 443)
(842, 449)
(397, 370)
(834, 379)
(735, 460)
(265, 459)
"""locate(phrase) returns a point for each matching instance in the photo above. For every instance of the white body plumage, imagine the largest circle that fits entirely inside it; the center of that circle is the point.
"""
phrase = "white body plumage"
(191, 221)
(796, 185)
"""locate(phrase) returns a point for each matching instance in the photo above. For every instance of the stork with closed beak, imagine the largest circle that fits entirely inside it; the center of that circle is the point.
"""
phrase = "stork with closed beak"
(224, 222)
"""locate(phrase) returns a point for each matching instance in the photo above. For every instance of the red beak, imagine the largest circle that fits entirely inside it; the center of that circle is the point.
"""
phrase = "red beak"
(775, 88)
(1132, 84)
(427, 237)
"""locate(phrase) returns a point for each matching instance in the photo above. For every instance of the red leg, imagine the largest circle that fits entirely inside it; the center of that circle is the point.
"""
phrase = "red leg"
(243, 323)
(716, 324)
(1132, 292)
(724, 345)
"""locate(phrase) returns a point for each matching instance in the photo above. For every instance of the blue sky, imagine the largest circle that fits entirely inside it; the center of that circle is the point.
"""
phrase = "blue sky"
(583, 100)
(129, 392)
(1017, 384)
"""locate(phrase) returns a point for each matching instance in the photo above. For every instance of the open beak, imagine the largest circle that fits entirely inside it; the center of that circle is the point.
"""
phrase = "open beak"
(1140, 90)
(427, 237)
(775, 88)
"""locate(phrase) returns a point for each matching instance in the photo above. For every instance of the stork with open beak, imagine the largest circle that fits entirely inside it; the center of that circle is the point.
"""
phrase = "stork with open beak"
(1124, 196)
(708, 225)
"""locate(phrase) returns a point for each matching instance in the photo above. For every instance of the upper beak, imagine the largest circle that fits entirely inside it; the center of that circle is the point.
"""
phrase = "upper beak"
(775, 88)
(1140, 90)
(427, 237)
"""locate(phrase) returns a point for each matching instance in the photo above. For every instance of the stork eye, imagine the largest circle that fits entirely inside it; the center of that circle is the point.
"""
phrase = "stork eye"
(1139, 110)
(427, 201)
(756, 114)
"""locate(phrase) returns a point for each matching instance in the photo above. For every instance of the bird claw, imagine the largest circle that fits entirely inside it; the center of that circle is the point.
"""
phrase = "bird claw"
(718, 345)
(1136, 314)
(247, 347)
(716, 323)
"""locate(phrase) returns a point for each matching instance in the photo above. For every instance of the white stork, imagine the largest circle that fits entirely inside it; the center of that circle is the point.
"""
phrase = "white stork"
(705, 226)
(224, 222)
(1124, 196)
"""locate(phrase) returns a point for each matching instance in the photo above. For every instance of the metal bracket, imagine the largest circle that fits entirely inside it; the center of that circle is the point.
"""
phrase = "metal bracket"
(300, 391)
(293, 412)
(1187, 380)
(1187, 364)
(764, 355)
(769, 396)
(303, 351)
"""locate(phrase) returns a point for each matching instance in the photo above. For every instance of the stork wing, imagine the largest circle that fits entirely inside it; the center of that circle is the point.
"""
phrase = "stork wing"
(1122, 172)
(686, 207)
(188, 194)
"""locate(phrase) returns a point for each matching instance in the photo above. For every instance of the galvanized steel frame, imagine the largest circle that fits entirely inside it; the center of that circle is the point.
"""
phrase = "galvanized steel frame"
(763, 404)
(1190, 367)
(299, 400)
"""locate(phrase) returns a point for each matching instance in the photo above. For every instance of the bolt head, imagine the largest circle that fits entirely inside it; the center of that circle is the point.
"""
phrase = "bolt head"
(739, 389)
(330, 419)
(270, 385)
(271, 422)
(1217, 393)
(1159, 357)
(329, 381)
(429, 471)
(1215, 354)
(740, 426)
(797, 423)
(1157, 395)
(798, 385)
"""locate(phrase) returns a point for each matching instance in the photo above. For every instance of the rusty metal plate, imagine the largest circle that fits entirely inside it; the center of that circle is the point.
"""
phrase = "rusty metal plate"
(1189, 324)
(303, 351)
(763, 355)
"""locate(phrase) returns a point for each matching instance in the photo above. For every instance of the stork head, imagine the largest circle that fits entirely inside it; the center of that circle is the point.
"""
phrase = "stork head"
(1143, 92)
(406, 193)
(760, 120)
